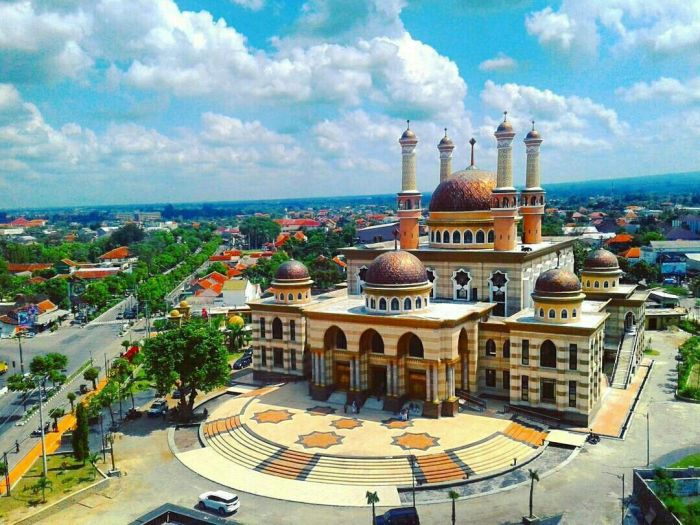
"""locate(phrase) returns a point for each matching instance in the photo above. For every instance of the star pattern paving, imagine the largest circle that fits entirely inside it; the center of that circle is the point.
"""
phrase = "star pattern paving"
(422, 441)
(346, 424)
(272, 416)
(320, 440)
(396, 423)
(321, 411)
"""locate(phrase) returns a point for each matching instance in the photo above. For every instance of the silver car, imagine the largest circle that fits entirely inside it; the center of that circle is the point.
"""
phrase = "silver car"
(220, 501)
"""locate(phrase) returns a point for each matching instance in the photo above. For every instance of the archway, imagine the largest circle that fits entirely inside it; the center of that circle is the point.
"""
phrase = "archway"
(334, 338)
(411, 346)
(463, 350)
(548, 354)
(629, 322)
(276, 328)
(371, 342)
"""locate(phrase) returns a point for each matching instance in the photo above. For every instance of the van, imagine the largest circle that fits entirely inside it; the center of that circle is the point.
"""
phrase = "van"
(400, 516)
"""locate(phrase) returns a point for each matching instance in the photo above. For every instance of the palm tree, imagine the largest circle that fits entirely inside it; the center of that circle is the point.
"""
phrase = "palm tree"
(372, 499)
(93, 458)
(71, 399)
(533, 477)
(453, 495)
(42, 484)
(55, 414)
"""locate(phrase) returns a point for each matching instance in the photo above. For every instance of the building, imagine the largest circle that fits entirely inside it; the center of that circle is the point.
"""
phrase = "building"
(651, 253)
(469, 309)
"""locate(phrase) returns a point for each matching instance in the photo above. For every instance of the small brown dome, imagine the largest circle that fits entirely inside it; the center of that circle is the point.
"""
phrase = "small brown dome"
(464, 192)
(396, 268)
(446, 142)
(532, 134)
(291, 270)
(504, 126)
(601, 259)
(556, 281)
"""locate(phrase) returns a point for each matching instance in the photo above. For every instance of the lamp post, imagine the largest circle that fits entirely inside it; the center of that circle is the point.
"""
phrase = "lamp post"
(7, 473)
(42, 386)
(412, 459)
(21, 357)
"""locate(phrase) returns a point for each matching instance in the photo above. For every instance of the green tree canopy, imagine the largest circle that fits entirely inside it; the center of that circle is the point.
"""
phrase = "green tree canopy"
(126, 235)
(191, 358)
(259, 230)
(264, 271)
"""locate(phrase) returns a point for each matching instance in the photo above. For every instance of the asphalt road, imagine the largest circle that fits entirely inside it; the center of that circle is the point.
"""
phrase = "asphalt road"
(98, 340)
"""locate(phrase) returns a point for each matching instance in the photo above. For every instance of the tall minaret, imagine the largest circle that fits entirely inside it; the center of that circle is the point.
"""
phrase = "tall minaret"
(532, 197)
(409, 205)
(503, 207)
(445, 147)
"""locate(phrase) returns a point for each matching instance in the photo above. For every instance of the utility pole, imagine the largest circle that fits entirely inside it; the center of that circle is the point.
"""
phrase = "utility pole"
(648, 438)
(7, 473)
(102, 440)
(21, 357)
(622, 501)
(41, 423)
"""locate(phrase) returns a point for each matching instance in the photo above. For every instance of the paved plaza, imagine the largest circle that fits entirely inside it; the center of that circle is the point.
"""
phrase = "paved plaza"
(585, 490)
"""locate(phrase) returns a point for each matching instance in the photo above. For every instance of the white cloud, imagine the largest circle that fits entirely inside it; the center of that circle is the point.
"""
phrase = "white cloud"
(659, 27)
(663, 88)
(565, 121)
(253, 5)
(500, 62)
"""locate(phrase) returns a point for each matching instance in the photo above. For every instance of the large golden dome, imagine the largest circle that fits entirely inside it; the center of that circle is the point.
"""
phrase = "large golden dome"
(557, 280)
(601, 259)
(466, 190)
(291, 270)
(396, 268)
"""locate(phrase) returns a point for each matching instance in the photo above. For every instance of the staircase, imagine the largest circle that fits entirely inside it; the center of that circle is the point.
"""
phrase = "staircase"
(625, 358)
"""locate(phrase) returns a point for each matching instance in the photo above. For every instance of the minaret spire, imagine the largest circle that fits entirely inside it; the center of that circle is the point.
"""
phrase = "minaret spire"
(409, 198)
(472, 141)
(445, 147)
(532, 197)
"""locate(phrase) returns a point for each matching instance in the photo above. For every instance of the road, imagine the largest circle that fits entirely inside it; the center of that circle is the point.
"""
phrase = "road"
(98, 340)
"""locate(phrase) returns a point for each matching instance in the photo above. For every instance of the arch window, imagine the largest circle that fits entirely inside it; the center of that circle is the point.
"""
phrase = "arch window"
(276, 328)
(460, 285)
(432, 276)
(490, 348)
(262, 328)
(541, 312)
(596, 284)
(281, 297)
(505, 202)
(299, 296)
(361, 279)
(588, 284)
(548, 354)
(335, 338)
(490, 236)
(552, 314)
(605, 284)
(407, 304)
(573, 313)
(419, 303)
(480, 237)
(415, 347)
(432, 236)
(445, 237)
(373, 303)
(468, 237)
(456, 237)
(499, 283)
(290, 297)
(394, 304)
(382, 304)
(564, 314)
(506, 349)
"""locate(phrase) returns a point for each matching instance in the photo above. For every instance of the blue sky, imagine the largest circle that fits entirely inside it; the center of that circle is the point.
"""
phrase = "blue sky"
(128, 101)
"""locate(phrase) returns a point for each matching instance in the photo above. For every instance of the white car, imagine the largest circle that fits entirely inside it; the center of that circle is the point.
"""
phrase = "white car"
(158, 408)
(221, 501)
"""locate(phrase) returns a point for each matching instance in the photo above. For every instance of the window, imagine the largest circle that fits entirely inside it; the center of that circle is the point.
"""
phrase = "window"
(490, 348)
(572, 394)
(524, 388)
(407, 304)
(445, 237)
(290, 297)
(377, 343)
(382, 304)
(263, 356)
(394, 304)
(552, 314)
(281, 297)
(564, 314)
(276, 328)
(278, 357)
(415, 347)
(373, 303)
(506, 380)
(480, 237)
(460, 284)
(596, 284)
(548, 354)
(542, 312)
(499, 281)
(468, 237)
(293, 360)
(605, 284)
(299, 296)
(431, 277)
(490, 237)
(456, 237)
(490, 377)
(340, 341)
(547, 387)
(573, 313)
(588, 284)
(262, 328)
(573, 356)
(419, 303)
(525, 358)
(292, 331)
(506, 349)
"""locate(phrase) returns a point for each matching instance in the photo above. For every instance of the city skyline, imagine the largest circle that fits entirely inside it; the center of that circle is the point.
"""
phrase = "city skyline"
(254, 99)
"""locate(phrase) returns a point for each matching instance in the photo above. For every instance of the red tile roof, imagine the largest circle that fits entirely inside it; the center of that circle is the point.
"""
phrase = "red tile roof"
(309, 223)
(117, 253)
(621, 238)
(27, 267)
(46, 306)
(97, 273)
(632, 253)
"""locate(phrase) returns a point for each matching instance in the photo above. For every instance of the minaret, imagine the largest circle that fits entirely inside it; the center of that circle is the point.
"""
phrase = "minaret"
(409, 205)
(532, 197)
(504, 203)
(445, 147)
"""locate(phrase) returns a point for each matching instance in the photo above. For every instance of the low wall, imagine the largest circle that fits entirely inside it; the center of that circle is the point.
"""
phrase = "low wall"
(687, 484)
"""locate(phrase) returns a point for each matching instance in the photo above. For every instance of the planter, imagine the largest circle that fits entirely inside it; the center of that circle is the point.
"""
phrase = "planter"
(531, 520)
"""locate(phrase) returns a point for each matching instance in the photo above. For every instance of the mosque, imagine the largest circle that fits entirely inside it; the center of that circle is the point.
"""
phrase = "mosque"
(471, 310)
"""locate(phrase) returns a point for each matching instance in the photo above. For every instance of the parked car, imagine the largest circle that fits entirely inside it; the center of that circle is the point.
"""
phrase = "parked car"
(83, 388)
(120, 316)
(158, 407)
(37, 432)
(242, 362)
(220, 501)
(176, 393)
(400, 516)
(3, 367)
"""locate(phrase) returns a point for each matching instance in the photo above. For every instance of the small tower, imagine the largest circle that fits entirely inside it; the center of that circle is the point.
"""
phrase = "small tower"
(408, 200)
(504, 203)
(532, 197)
(445, 147)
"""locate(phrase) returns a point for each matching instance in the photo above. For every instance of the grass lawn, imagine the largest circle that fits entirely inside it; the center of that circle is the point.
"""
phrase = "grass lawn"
(694, 377)
(651, 352)
(65, 474)
(689, 461)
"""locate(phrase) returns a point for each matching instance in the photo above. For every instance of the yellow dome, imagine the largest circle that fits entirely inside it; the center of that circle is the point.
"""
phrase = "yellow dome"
(235, 320)
(174, 313)
(184, 304)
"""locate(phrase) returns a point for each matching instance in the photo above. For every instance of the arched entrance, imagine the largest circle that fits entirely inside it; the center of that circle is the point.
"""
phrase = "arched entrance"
(410, 346)
(463, 350)
(334, 339)
(372, 344)
(629, 322)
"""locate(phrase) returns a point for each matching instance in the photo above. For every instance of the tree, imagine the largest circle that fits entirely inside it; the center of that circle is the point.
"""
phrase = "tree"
(580, 253)
(120, 372)
(532, 474)
(71, 399)
(50, 365)
(110, 440)
(96, 294)
(372, 499)
(42, 484)
(93, 458)
(19, 383)
(324, 272)
(238, 336)
(108, 396)
(91, 374)
(453, 495)
(259, 230)
(55, 414)
(264, 270)
(126, 235)
(81, 446)
(191, 358)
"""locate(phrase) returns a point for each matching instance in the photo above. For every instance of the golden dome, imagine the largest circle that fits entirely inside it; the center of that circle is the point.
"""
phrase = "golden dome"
(174, 313)
(291, 270)
(396, 268)
(184, 304)
(601, 259)
(557, 280)
(466, 190)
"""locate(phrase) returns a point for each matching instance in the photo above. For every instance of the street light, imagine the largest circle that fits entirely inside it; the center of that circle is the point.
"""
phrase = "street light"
(42, 387)
(21, 357)
(412, 460)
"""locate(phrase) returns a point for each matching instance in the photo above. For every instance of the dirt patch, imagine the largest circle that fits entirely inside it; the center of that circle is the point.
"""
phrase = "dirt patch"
(187, 438)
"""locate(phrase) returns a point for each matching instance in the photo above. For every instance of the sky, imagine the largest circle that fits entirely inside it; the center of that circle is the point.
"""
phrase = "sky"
(137, 101)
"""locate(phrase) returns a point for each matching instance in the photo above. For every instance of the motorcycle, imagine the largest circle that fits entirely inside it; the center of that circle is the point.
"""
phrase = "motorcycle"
(593, 439)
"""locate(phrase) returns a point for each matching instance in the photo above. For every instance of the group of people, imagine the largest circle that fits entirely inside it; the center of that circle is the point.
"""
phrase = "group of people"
(354, 409)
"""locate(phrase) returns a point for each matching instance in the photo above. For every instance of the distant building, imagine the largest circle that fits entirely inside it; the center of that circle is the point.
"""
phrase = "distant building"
(377, 233)
(651, 253)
